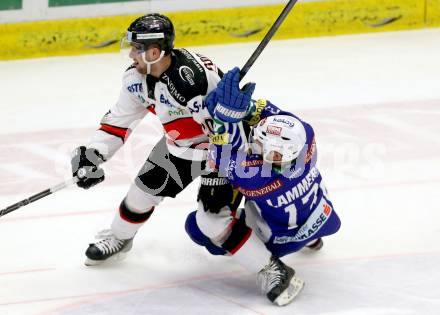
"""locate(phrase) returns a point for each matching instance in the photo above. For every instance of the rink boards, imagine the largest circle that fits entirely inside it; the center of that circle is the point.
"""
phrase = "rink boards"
(227, 25)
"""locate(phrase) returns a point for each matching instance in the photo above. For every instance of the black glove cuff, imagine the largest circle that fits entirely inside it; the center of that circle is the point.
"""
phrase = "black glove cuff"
(214, 181)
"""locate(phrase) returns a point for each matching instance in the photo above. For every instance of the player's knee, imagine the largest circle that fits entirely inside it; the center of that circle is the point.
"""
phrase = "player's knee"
(214, 225)
(238, 235)
(193, 230)
(139, 201)
(134, 215)
(198, 237)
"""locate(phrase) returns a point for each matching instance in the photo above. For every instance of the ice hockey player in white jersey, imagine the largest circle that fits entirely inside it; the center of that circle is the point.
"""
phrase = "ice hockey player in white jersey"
(286, 205)
(172, 84)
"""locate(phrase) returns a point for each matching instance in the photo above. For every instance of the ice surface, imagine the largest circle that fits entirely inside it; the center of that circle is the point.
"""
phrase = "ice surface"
(374, 101)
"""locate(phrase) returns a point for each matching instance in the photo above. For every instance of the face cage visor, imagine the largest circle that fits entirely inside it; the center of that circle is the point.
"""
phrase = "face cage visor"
(138, 44)
(267, 146)
(139, 41)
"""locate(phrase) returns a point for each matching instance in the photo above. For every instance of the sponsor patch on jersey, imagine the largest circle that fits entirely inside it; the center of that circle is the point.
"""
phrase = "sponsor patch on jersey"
(252, 163)
(220, 139)
(165, 101)
(172, 88)
(313, 224)
(176, 112)
(275, 185)
(327, 209)
(274, 130)
(135, 87)
(187, 74)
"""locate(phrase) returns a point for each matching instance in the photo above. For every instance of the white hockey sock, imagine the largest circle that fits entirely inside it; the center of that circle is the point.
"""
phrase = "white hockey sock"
(138, 202)
(124, 230)
(253, 255)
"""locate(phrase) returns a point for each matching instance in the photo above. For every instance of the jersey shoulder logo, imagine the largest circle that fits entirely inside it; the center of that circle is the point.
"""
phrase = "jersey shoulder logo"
(187, 74)
(186, 79)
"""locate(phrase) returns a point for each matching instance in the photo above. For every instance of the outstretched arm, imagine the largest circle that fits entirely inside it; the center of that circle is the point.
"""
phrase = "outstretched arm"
(117, 123)
(231, 104)
(115, 128)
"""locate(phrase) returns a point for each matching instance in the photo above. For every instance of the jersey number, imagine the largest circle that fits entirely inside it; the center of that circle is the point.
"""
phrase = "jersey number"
(208, 126)
(293, 212)
(207, 62)
(314, 192)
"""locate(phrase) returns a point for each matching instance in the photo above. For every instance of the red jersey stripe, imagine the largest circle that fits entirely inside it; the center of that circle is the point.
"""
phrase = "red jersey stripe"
(116, 131)
(183, 128)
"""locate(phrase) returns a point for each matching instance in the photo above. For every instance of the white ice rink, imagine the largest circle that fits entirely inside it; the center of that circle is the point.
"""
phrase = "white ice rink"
(375, 103)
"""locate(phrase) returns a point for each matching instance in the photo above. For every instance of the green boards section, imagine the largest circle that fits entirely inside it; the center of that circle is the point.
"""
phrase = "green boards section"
(10, 4)
(60, 3)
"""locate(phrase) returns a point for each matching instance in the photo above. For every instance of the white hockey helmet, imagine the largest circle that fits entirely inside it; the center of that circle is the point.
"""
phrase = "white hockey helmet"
(278, 138)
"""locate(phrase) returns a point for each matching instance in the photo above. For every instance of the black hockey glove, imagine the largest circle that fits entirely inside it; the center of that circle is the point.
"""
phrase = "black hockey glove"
(215, 192)
(87, 160)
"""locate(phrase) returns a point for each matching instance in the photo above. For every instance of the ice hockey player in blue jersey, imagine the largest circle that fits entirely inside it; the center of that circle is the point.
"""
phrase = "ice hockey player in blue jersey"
(287, 205)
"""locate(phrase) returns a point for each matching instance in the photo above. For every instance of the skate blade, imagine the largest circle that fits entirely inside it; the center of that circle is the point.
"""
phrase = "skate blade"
(287, 296)
(316, 246)
(118, 257)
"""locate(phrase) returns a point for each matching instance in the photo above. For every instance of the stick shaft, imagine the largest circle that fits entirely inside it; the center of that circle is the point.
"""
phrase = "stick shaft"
(38, 196)
(267, 38)
(243, 72)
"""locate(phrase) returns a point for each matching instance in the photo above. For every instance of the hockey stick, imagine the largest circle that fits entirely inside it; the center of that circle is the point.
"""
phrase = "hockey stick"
(289, 6)
(44, 193)
(243, 72)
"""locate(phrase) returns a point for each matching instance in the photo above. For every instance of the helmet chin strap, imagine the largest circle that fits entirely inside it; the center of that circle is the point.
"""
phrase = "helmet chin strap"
(149, 63)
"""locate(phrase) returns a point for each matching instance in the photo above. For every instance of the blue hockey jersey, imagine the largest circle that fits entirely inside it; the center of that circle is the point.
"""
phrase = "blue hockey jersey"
(287, 207)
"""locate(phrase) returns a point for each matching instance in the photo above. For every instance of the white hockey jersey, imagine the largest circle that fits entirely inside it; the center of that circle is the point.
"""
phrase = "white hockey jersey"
(177, 98)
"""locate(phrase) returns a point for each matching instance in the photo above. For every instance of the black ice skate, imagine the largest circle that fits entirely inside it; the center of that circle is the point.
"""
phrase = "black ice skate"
(315, 245)
(279, 283)
(108, 247)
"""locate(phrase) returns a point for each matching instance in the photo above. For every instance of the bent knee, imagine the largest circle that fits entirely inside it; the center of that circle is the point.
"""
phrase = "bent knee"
(139, 201)
(214, 225)
(197, 236)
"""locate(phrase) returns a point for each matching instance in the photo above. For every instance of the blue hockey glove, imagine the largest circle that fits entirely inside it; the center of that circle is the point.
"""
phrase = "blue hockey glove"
(232, 103)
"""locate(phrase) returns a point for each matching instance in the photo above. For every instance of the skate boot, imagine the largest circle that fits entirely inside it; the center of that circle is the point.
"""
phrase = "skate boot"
(315, 245)
(278, 282)
(108, 247)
